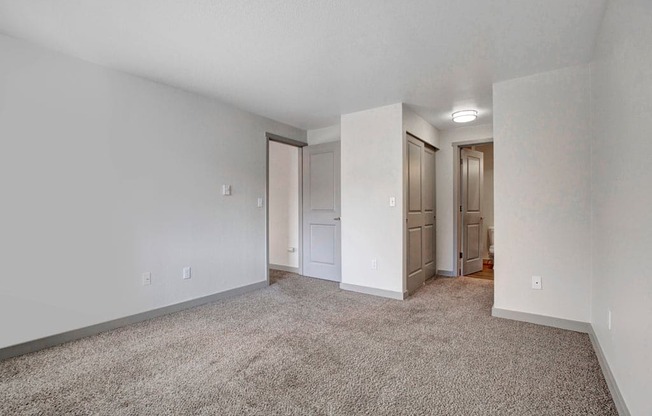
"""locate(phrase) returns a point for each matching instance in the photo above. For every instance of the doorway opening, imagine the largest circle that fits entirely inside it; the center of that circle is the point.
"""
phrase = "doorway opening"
(474, 207)
(284, 202)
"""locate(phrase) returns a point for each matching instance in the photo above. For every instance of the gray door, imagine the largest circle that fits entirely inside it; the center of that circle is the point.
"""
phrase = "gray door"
(472, 179)
(421, 235)
(321, 211)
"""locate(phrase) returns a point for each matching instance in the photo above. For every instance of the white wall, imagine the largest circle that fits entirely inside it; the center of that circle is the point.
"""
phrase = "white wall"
(542, 147)
(417, 126)
(283, 204)
(372, 172)
(621, 197)
(324, 135)
(105, 176)
(487, 193)
(445, 185)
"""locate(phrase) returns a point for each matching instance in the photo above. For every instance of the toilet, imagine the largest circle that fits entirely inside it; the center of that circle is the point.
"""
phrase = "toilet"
(490, 232)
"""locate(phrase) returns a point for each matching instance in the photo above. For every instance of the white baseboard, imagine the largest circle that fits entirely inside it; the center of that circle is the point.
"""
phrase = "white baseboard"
(447, 273)
(51, 341)
(532, 318)
(608, 376)
(285, 268)
(373, 291)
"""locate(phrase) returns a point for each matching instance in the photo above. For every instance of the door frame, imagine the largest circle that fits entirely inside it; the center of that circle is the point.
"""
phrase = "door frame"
(457, 193)
(271, 137)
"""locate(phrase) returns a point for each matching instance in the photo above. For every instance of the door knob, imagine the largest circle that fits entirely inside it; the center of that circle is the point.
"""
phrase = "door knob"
(337, 219)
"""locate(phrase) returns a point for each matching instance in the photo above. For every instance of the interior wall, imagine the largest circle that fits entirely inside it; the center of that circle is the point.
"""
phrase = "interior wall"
(372, 172)
(324, 135)
(106, 176)
(487, 193)
(542, 148)
(419, 127)
(283, 205)
(621, 214)
(445, 189)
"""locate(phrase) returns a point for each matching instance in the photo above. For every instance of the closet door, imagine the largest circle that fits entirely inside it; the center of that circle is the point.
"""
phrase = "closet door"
(421, 264)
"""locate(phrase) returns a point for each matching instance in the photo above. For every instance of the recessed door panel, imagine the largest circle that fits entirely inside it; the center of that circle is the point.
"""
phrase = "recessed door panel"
(414, 250)
(322, 243)
(415, 151)
(322, 181)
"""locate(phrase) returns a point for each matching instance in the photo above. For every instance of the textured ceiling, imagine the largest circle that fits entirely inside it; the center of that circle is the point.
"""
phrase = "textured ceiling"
(305, 62)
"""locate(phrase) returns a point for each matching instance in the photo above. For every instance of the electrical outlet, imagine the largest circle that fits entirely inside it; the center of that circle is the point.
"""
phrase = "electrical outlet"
(187, 272)
(147, 279)
(260, 202)
(536, 282)
(374, 264)
(609, 319)
(226, 190)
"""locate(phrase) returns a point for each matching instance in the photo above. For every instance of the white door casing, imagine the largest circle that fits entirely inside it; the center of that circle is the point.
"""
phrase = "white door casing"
(322, 256)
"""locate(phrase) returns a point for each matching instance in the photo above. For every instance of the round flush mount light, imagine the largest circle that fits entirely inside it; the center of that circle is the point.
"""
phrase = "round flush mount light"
(465, 116)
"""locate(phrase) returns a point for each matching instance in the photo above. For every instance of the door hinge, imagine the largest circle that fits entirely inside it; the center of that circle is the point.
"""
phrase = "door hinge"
(461, 255)
(460, 208)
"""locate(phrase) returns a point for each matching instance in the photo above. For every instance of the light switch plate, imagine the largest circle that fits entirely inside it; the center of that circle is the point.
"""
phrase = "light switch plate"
(226, 190)
(260, 202)
(392, 201)
(187, 272)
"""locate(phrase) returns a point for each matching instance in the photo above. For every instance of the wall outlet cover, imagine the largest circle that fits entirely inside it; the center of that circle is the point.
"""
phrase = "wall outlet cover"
(147, 279)
(536, 282)
(187, 273)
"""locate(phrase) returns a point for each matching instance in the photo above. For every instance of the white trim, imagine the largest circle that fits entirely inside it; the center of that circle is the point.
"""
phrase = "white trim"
(285, 268)
(532, 318)
(447, 273)
(373, 291)
(51, 341)
(608, 375)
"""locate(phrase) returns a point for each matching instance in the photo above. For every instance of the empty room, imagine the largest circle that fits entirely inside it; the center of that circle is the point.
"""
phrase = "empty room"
(427, 207)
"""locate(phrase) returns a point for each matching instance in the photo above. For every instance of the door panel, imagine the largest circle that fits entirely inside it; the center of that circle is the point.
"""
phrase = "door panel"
(414, 250)
(414, 176)
(472, 181)
(420, 220)
(322, 243)
(429, 212)
(322, 181)
(321, 211)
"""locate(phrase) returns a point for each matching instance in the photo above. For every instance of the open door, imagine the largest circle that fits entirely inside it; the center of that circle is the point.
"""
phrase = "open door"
(471, 203)
(321, 211)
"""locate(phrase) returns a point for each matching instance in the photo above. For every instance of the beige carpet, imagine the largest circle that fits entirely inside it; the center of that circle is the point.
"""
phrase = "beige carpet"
(304, 347)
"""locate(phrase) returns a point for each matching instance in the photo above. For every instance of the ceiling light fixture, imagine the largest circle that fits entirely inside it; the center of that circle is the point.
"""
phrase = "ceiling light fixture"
(465, 116)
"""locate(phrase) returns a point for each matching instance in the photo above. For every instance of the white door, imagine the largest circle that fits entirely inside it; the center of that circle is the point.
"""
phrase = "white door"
(321, 211)
(421, 264)
(471, 198)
